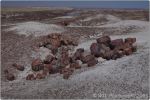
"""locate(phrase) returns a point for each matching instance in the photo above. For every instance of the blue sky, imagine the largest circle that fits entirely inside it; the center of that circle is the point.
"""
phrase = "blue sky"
(79, 4)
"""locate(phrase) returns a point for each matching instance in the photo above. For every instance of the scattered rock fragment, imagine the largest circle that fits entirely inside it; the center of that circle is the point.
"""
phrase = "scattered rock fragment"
(116, 43)
(108, 55)
(63, 61)
(9, 76)
(30, 77)
(37, 65)
(95, 49)
(18, 67)
(78, 54)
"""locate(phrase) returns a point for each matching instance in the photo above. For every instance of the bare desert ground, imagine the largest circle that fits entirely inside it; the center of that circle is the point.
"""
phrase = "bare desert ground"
(126, 77)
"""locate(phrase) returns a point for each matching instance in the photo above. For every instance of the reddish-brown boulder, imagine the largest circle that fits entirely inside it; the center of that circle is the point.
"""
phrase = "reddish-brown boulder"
(30, 77)
(77, 55)
(98, 50)
(104, 40)
(95, 49)
(65, 59)
(108, 55)
(18, 67)
(123, 46)
(130, 40)
(37, 65)
(116, 43)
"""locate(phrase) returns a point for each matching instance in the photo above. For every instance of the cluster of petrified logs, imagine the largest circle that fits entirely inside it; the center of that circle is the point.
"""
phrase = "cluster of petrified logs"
(63, 62)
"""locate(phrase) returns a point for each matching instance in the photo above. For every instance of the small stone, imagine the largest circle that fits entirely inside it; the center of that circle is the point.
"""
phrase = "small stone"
(95, 49)
(65, 59)
(10, 77)
(116, 43)
(37, 65)
(18, 67)
(30, 77)
(77, 55)
(108, 55)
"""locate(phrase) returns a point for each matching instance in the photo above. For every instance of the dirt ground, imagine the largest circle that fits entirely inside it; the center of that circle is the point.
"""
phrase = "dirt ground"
(126, 77)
